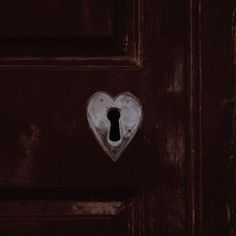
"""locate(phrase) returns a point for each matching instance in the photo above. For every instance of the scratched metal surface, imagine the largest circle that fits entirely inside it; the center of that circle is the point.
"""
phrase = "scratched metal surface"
(129, 120)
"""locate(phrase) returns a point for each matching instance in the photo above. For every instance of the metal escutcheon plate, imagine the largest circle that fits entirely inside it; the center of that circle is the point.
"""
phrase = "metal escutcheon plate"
(129, 121)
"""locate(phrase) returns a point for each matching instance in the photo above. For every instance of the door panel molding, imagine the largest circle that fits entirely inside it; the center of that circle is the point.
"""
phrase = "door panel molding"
(89, 46)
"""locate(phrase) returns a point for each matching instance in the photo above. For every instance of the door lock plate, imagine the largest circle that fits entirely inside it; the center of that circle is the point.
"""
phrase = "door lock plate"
(114, 121)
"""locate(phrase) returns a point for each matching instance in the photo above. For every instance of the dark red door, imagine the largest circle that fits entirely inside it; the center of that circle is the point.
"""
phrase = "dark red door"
(55, 178)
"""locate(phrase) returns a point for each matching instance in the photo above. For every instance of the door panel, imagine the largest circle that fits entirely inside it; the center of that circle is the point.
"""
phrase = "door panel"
(75, 33)
(63, 218)
(27, 19)
(55, 227)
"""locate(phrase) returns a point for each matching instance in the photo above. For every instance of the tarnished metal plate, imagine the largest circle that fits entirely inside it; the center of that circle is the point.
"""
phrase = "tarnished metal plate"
(130, 119)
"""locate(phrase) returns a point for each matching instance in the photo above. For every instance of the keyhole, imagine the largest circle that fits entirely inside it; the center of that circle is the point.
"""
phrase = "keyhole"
(113, 116)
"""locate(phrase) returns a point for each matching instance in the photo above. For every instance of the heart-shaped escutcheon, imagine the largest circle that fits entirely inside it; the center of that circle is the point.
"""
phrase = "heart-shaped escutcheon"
(114, 121)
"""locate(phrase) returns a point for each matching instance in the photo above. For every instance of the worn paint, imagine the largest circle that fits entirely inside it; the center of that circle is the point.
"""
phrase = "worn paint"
(177, 83)
(28, 142)
(175, 146)
(59, 208)
(136, 216)
(97, 208)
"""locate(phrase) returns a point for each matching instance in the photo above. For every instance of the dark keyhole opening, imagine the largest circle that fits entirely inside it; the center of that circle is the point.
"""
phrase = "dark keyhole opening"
(113, 116)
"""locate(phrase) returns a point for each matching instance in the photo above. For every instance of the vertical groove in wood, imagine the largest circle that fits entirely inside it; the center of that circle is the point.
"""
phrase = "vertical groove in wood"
(194, 165)
(139, 21)
(232, 153)
(233, 171)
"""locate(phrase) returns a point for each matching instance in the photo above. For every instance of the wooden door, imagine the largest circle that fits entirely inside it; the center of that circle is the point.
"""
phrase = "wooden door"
(175, 57)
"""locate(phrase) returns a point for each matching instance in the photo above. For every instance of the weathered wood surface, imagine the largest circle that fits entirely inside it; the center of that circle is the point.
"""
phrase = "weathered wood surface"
(176, 57)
